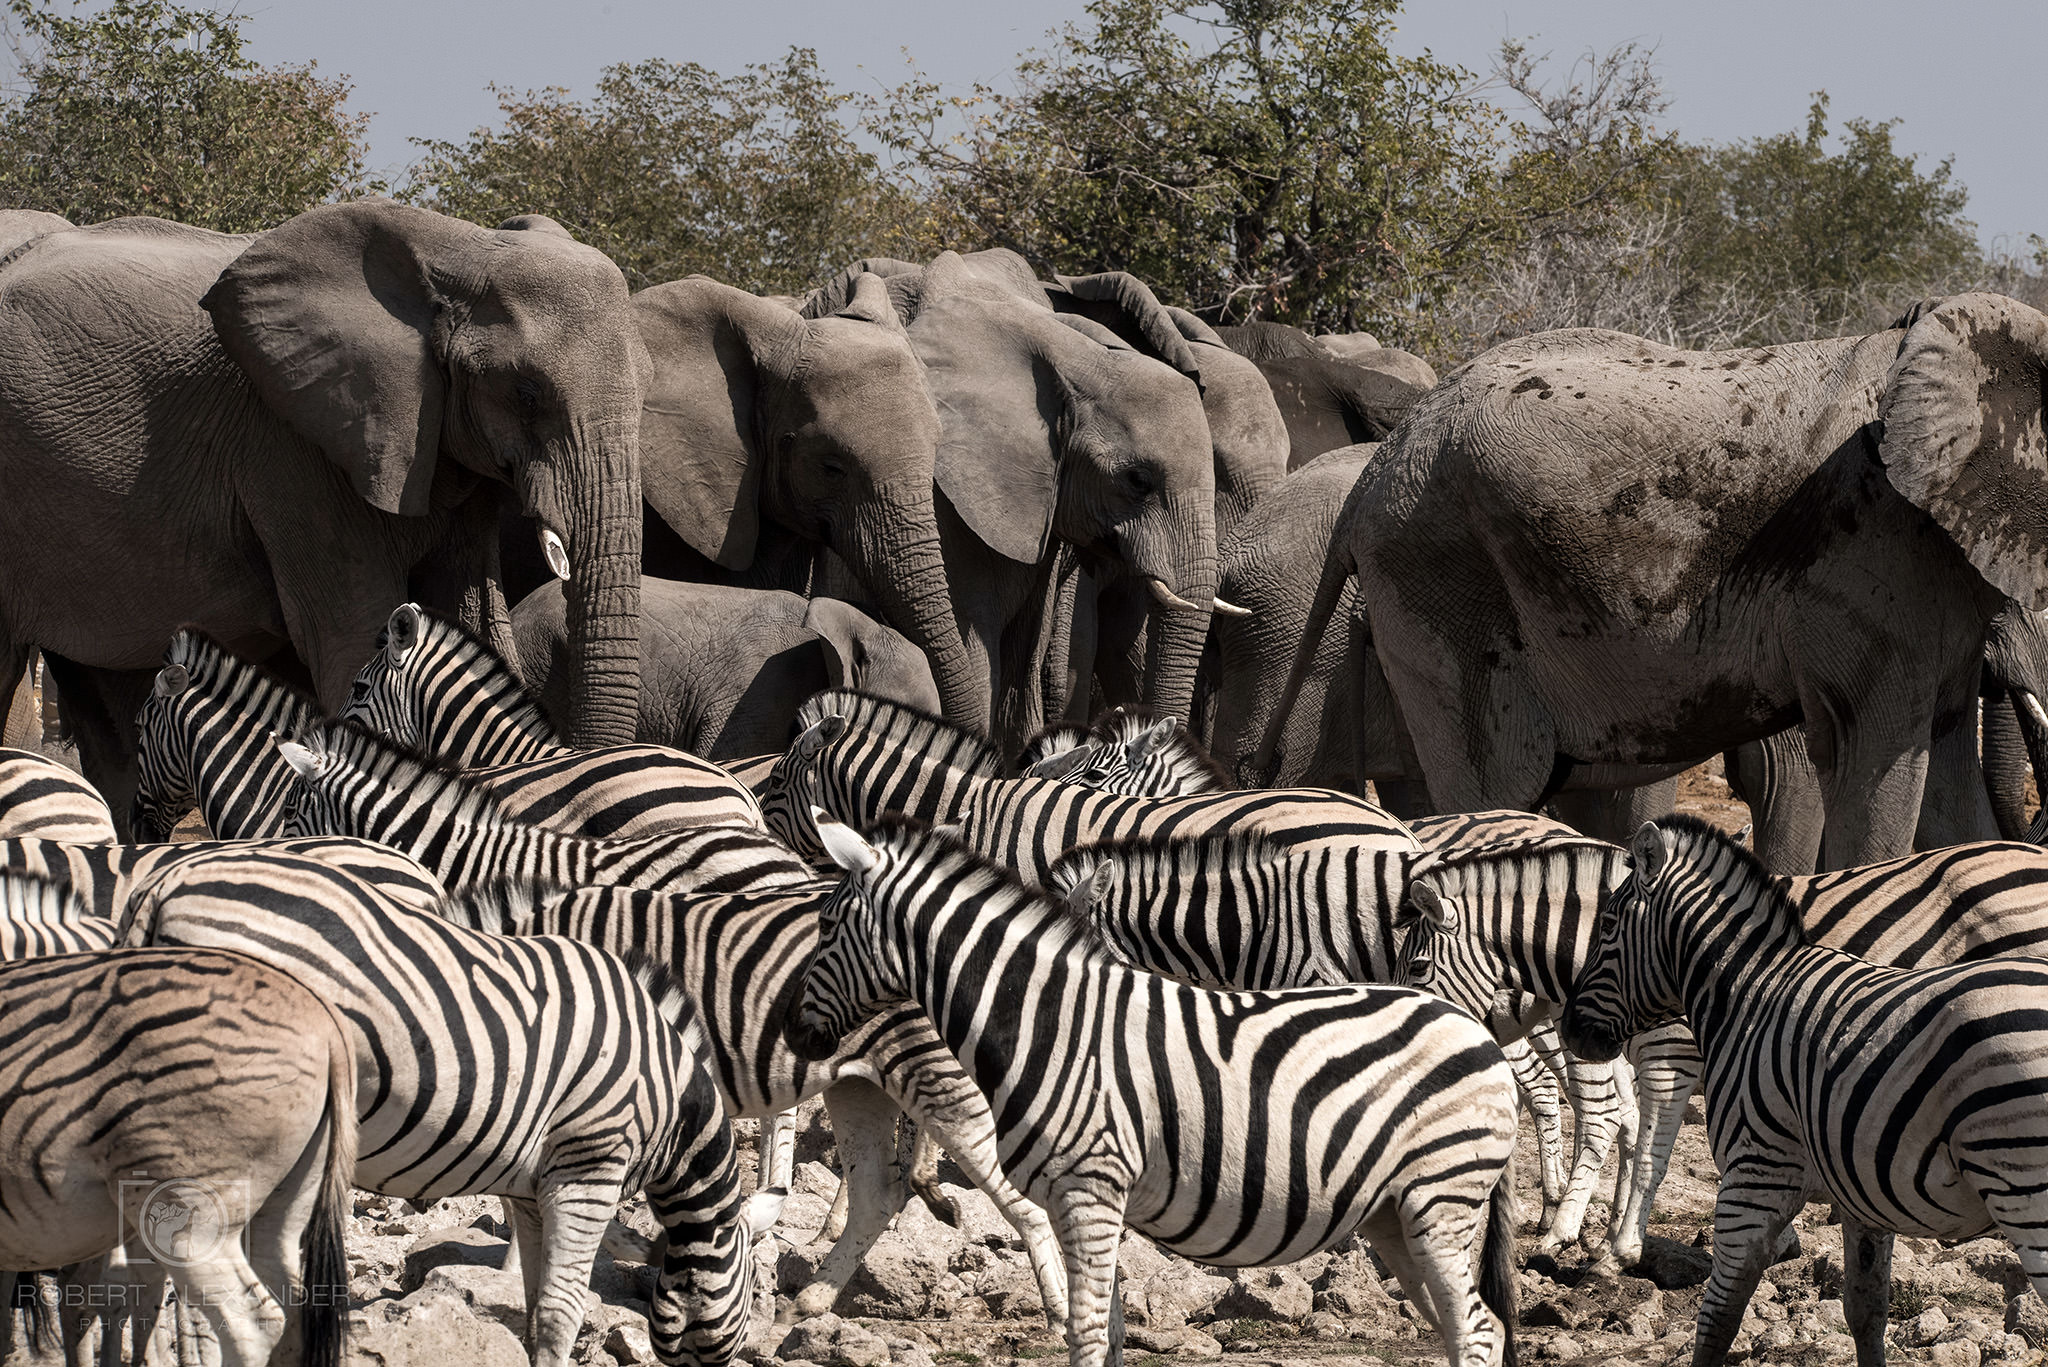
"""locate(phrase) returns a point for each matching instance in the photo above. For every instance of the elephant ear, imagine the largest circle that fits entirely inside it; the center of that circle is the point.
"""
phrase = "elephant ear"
(833, 296)
(1963, 434)
(334, 318)
(1126, 306)
(991, 367)
(699, 459)
(536, 223)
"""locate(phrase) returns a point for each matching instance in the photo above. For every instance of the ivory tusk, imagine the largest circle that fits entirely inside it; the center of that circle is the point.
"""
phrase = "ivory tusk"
(2034, 708)
(1166, 597)
(557, 554)
(1230, 609)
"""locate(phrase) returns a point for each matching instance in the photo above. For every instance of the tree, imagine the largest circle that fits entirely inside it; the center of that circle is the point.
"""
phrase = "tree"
(1252, 159)
(147, 107)
(674, 169)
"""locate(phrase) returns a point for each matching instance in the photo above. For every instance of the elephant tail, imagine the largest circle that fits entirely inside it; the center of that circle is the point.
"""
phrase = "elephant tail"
(1338, 567)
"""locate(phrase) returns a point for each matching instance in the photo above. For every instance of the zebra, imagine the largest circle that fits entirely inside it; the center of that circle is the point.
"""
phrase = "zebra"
(1523, 916)
(742, 957)
(234, 1119)
(349, 782)
(1915, 1099)
(1242, 910)
(434, 687)
(1127, 750)
(1237, 1128)
(538, 1069)
(205, 739)
(43, 800)
(41, 916)
(859, 757)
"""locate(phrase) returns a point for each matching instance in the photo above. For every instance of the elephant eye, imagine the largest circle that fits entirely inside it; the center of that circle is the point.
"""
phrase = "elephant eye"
(1140, 479)
(528, 392)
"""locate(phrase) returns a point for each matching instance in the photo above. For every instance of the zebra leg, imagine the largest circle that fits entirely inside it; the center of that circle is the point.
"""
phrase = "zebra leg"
(864, 1131)
(1749, 1215)
(1627, 1143)
(526, 1252)
(1866, 1287)
(1540, 1094)
(573, 1218)
(1090, 1218)
(1388, 1238)
(777, 1165)
(1597, 1115)
(1668, 1071)
(922, 1174)
(247, 1321)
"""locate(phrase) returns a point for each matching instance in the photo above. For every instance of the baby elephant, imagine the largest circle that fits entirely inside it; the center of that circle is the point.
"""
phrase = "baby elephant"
(723, 670)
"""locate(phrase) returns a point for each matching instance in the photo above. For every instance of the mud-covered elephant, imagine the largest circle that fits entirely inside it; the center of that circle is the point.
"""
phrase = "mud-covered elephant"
(1330, 401)
(281, 437)
(1053, 431)
(767, 435)
(1585, 552)
(723, 670)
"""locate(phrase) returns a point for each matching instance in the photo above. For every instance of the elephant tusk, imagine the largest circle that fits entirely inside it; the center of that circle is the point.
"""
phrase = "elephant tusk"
(2034, 708)
(1230, 609)
(1166, 597)
(557, 554)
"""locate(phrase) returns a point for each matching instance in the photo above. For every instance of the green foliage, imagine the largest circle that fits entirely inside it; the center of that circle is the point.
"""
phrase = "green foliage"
(1252, 159)
(146, 107)
(674, 169)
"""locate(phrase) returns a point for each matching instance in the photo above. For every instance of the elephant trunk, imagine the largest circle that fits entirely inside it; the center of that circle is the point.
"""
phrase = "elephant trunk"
(1176, 633)
(897, 555)
(2005, 764)
(598, 519)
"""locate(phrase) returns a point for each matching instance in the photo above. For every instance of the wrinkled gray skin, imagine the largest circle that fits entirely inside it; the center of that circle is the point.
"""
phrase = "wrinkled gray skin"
(723, 670)
(1328, 402)
(281, 437)
(1054, 432)
(768, 433)
(1587, 551)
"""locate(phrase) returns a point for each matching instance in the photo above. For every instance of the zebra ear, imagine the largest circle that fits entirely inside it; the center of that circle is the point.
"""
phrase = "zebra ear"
(1649, 852)
(764, 1208)
(817, 736)
(1743, 836)
(171, 680)
(1060, 765)
(402, 632)
(844, 844)
(304, 762)
(1439, 911)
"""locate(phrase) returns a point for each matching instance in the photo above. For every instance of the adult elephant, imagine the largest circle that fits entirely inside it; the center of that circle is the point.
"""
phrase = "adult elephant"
(1327, 401)
(281, 437)
(1588, 550)
(767, 434)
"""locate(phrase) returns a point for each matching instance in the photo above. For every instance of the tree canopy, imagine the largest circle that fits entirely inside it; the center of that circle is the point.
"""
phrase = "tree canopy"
(148, 107)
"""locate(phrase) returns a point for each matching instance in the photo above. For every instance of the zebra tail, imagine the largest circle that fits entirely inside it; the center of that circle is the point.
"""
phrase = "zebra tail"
(323, 1319)
(1497, 1261)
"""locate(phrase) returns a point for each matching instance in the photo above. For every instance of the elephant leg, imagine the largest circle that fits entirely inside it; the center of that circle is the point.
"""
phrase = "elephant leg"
(24, 718)
(100, 706)
(1872, 777)
(1614, 814)
(1775, 776)
(1121, 614)
(1955, 808)
(2006, 768)
(1505, 760)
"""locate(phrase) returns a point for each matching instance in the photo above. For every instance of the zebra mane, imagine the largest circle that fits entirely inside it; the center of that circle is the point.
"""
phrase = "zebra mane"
(399, 766)
(671, 998)
(1056, 739)
(1461, 857)
(208, 662)
(500, 906)
(1228, 849)
(901, 724)
(447, 636)
(1727, 861)
(949, 863)
(29, 896)
(1191, 759)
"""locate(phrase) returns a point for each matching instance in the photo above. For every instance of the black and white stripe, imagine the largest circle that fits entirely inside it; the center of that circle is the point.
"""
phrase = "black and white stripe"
(41, 916)
(1916, 1100)
(539, 1069)
(40, 799)
(434, 688)
(1238, 1128)
(349, 782)
(1127, 750)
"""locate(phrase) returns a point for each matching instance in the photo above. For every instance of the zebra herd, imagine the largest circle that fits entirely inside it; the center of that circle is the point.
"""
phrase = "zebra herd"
(431, 951)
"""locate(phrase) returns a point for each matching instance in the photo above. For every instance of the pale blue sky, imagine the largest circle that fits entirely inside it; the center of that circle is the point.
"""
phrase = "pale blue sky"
(1970, 78)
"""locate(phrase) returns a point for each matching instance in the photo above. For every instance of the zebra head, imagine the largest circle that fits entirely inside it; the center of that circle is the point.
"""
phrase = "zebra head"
(385, 695)
(1630, 981)
(856, 967)
(791, 792)
(164, 786)
(1434, 954)
(704, 1293)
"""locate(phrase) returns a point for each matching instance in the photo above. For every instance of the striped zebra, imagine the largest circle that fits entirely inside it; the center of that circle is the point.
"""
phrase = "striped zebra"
(40, 916)
(349, 782)
(1242, 910)
(1523, 917)
(537, 1069)
(742, 957)
(199, 1108)
(1916, 1100)
(860, 757)
(42, 800)
(1127, 750)
(1236, 1128)
(206, 739)
(434, 688)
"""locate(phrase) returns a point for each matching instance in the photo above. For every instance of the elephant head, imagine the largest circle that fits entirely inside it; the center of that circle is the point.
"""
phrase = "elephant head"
(824, 425)
(862, 654)
(389, 336)
(1052, 427)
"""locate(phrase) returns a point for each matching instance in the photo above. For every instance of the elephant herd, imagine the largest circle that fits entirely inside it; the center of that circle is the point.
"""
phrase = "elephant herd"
(1577, 565)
